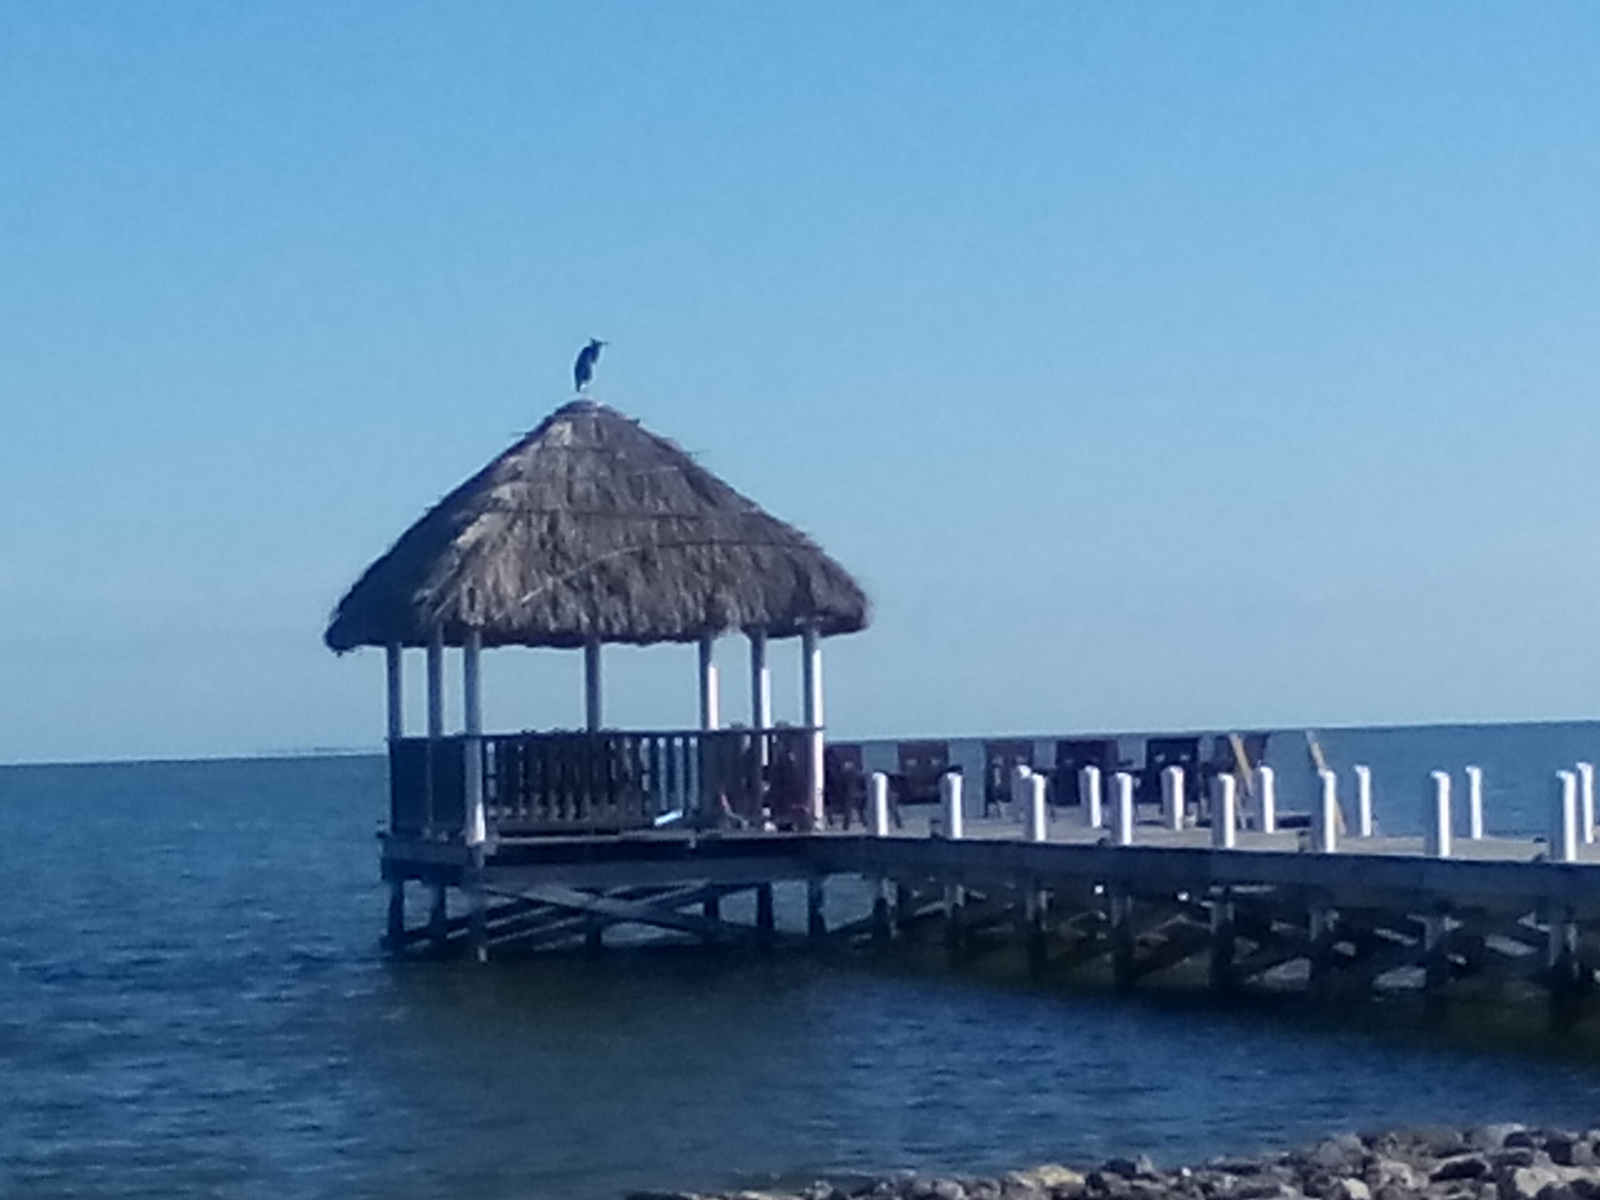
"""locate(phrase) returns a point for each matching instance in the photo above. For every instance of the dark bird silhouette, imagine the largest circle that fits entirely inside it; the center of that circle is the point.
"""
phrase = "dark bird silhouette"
(583, 369)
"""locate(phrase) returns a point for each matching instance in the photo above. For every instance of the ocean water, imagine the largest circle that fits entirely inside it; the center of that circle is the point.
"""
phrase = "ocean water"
(192, 1003)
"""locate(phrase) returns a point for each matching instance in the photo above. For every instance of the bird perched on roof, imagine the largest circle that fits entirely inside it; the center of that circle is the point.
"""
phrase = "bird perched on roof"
(583, 369)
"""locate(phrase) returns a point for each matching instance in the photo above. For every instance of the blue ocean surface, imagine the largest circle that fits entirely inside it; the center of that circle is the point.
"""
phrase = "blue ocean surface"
(193, 1003)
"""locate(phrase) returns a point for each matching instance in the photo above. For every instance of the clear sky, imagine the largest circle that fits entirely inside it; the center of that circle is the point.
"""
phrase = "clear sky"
(1153, 365)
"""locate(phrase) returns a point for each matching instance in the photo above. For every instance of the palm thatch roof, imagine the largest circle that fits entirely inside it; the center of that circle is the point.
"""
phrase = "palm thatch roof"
(592, 527)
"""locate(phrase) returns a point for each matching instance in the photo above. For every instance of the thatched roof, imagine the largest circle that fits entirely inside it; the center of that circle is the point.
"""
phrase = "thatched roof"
(593, 527)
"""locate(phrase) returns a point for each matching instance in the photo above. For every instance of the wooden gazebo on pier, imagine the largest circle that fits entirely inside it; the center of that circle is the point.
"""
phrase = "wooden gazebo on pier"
(592, 530)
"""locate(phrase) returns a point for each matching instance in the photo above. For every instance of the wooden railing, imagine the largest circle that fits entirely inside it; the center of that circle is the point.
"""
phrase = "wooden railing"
(613, 780)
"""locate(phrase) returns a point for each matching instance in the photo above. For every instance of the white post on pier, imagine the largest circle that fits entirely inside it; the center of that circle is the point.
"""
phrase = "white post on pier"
(1325, 823)
(477, 827)
(710, 691)
(1267, 791)
(1563, 845)
(878, 803)
(1038, 808)
(593, 706)
(1363, 776)
(1436, 827)
(394, 664)
(760, 682)
(1172, 797)
(950, 805)
(1474, 803)
(1585, 773)
(813, 718)
(1122, 802)
(1021, 790)
(1089, 797)
(1224, 812)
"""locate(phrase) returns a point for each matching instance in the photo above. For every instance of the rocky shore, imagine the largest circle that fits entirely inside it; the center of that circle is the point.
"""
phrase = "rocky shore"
(1491, 1162)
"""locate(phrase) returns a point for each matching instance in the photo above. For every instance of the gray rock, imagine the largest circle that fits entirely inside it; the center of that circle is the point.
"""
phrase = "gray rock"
(1350, 1189)
(1516, 1156)
(1463, 1166)
(1492, 1137)
(1525, 1183)
(1393, 1191)
(1570, 1151)
(1343, 1155)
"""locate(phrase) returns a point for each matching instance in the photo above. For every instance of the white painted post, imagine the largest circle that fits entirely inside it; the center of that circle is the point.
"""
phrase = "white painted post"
(1038, 809)
(1224, 812)
(1089, 797)
(477, 829)
(1021, 792)
(1564, 818)
(1267, 790)
(760, 697)
(1172, 797)
(1436, 817)
(760, 681)
(1585, 774)
(593, 707)
(394, 665)
(1363, 800)
(812, 716)
(1325, 826)
(1475, 803)
(710, 690)
(1122, 800)
(950, 802)
(878, 803)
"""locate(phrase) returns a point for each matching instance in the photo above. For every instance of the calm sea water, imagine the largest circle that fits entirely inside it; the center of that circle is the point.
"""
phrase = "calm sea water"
(192, 1004)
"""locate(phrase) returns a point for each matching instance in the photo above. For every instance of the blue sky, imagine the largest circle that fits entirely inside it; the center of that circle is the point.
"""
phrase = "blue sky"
(1154, 365)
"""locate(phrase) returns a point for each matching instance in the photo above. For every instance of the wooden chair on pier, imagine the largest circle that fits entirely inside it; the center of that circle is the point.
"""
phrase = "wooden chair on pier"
(1000, 761)
(1072, 755)
(922, 764)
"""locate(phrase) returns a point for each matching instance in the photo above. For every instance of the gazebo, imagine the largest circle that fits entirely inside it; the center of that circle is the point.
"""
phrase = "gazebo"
(592, 530)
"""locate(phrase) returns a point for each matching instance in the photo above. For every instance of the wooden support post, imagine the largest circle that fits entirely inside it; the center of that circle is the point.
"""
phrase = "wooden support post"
(904, 903)
(766, 924)
(594, 932)
(1363, 776)
(1323, 923)
(477, 920)
(1222, 941)
(1120, 914)
(1036, 908)
(711, 908)
(882, 925)
(593, 702)
(1089, 796)
(1436, 963)
(1436, 828)
(394, 663)
(955, 917)
(816, 919)
(435, 679)
(396, 937)
(1474, 803)
(710, 689)
(760, 698)
(439, 919)
(1568, 982)
(1267, 792)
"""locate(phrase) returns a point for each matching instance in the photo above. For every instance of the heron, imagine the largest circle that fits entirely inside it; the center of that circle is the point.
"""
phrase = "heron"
(583, 369)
